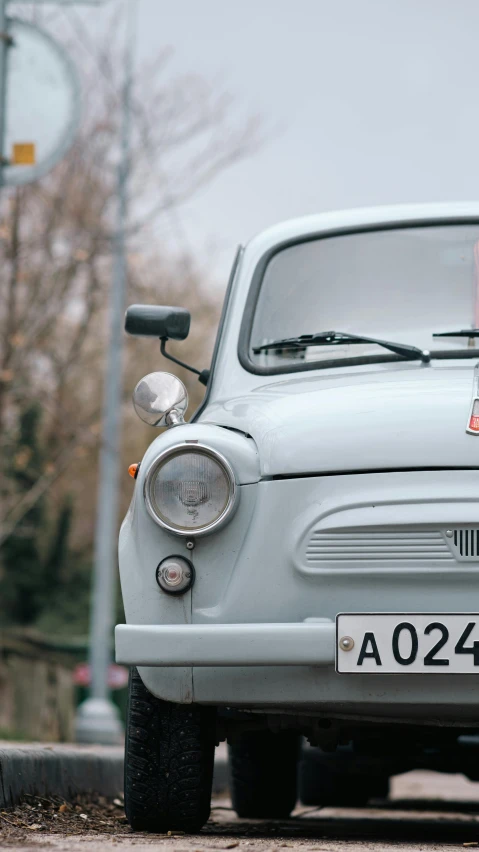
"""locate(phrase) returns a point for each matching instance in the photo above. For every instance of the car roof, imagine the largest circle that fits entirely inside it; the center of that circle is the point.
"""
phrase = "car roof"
(363, 217)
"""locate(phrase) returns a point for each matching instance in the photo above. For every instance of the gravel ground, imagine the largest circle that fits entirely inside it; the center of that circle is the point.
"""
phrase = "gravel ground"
(426, 811)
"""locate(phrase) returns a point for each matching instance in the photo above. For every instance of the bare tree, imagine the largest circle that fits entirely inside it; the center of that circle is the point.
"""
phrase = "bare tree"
(55, 244)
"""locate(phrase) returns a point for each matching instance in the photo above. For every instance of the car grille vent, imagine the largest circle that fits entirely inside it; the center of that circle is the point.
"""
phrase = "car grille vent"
(357, 547)
(465, 543)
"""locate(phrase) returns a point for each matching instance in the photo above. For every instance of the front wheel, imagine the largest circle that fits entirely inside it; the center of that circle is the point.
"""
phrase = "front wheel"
(169, 758)
(263, 774)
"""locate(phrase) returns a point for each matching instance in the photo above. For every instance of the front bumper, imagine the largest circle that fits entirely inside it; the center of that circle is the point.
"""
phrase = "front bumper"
(282, 668)
(297, 644)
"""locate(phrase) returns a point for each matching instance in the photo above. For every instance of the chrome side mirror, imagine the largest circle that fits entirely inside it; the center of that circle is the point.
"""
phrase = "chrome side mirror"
(160, 399)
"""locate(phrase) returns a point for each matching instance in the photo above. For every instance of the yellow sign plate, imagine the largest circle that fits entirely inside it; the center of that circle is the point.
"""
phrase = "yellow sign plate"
(23, 154)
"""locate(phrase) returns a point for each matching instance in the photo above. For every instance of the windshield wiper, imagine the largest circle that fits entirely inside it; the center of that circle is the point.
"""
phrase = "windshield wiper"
(331, 338)
(463, 332)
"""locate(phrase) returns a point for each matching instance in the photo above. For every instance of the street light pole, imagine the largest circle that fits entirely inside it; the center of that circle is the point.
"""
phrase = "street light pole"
(4, 45)
(97, 718)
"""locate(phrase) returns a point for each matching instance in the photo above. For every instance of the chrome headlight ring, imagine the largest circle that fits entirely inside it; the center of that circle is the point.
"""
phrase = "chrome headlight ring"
(195, 449)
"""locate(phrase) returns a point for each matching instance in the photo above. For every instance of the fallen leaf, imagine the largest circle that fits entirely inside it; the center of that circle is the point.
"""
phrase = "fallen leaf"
(83, 816)
(62, 809)
(9, 821)
(34, 827)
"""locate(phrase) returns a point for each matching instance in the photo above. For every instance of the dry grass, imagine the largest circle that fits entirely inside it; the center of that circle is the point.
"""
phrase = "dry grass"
(55, 816)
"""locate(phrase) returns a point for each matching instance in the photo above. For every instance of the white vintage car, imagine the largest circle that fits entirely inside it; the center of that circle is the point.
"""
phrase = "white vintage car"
(301, 559)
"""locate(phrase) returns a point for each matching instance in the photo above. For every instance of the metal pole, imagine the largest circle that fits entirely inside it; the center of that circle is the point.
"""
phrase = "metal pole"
(4, 45)
(97, 718)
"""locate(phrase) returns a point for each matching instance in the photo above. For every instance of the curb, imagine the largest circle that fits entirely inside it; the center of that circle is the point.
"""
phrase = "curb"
(58, 770)
(70, 770)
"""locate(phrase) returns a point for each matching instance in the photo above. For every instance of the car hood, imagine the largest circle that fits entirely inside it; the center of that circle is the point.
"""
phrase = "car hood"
(389, 418)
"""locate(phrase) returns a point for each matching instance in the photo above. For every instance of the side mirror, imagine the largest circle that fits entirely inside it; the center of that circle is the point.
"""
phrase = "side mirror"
(167, 324)
(160, 399)
(158, 321)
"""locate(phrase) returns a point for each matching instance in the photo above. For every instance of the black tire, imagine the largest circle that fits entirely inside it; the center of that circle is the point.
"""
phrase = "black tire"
(338, 780)
(169, 758)
(263, 774)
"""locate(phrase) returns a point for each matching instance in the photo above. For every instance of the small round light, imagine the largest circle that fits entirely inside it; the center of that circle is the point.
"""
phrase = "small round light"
(175, 575)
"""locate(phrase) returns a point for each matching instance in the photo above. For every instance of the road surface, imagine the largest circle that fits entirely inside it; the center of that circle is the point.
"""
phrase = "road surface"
(426, 812)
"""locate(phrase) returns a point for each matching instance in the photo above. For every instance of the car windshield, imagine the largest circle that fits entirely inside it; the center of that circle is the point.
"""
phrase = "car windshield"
(400, 284)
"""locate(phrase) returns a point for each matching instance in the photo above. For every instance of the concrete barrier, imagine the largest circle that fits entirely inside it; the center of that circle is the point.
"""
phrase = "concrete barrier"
(66, 771)
(58, 770)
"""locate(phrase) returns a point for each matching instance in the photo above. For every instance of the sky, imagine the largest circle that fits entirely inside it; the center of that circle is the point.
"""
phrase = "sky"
(363, 101)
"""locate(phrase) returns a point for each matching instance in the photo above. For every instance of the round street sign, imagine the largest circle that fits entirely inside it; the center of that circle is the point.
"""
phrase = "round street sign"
(43, 103)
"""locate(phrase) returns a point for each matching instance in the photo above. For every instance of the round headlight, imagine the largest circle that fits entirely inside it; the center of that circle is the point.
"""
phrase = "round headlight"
(190, 490)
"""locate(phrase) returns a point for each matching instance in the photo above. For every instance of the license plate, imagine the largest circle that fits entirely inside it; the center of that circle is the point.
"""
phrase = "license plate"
(407, 643)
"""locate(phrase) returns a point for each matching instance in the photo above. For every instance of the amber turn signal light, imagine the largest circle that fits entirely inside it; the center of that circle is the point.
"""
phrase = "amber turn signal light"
(133, 470)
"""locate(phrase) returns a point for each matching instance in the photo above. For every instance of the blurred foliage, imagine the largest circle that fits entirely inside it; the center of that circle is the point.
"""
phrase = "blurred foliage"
(55, 272)
(24, 581)
(13, 736)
